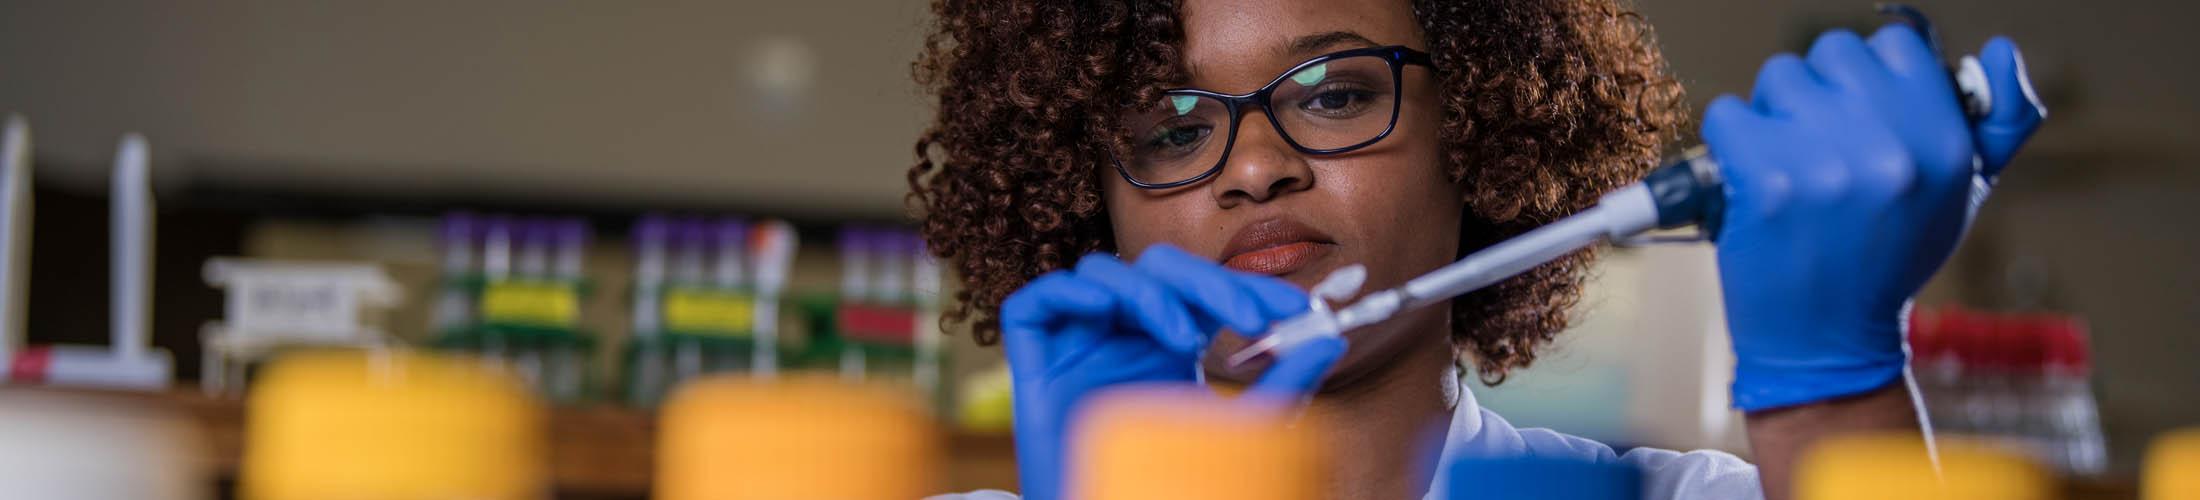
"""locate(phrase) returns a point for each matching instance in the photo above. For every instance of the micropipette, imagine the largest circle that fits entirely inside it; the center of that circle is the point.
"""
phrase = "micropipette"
(1685, 192)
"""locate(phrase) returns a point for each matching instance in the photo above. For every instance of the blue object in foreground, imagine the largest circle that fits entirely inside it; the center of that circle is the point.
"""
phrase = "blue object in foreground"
(1542, 479)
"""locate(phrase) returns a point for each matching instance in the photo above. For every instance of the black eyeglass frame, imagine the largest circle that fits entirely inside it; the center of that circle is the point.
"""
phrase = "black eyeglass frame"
(1397, 55)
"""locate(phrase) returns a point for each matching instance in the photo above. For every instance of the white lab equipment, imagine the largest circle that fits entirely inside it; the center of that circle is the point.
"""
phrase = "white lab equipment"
(15, 233)
(129, 361)
(91, 445)
(273, 304)
(1620, 215)
(772, 244)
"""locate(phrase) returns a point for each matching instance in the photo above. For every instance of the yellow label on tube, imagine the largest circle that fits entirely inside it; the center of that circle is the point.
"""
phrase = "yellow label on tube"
(709, 311)
(537, 303)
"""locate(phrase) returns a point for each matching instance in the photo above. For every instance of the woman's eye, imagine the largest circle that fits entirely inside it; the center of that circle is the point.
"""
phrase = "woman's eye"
(1337, 101)
(1178, 137)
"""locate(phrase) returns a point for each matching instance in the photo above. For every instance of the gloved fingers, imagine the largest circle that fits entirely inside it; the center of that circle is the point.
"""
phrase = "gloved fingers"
(1731, 129)
(1879, 167)
(1296, 373)
(1209, 288)
(1920, 104)
(1279, 298)
(1846, 64)
(1905, 54)
(1054, 296)
(1031, 312)
(2017, 110)
(1144, 302)
(1784, 84)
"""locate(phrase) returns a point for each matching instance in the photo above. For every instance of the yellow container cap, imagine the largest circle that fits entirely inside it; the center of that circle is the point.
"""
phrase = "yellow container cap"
(332, 425)
(811, 437)
(2172, 468)
(1156, 442)
(1895, 467)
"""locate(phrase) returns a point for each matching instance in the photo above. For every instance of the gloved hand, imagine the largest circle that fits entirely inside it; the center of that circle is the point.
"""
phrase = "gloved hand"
(1068, 334)
(1849, 174)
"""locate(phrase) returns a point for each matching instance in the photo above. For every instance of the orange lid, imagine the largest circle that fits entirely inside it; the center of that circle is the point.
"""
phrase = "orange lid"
(1156, 442)
(391, 425)
(733, 437)
(1895, 467)
(2172, 468)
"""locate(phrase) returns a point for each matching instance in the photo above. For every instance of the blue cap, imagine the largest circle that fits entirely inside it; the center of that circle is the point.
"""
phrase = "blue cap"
(912, 243)
(498, 225)
(691, 232)
(733, 231)
(1525, 478)
(652, 227)
(570, 231)
(855, 238)
(459, 227)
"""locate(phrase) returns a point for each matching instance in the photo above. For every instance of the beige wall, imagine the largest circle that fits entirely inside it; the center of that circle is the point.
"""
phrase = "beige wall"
(633, 101)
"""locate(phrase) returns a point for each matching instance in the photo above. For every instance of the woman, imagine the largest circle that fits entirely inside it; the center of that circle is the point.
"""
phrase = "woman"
(1122, 185)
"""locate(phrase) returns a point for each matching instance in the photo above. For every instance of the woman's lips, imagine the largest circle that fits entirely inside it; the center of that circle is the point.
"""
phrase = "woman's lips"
(1280, 259)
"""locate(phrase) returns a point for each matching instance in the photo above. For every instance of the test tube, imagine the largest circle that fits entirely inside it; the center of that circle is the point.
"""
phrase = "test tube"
(567, 366)
(730, 237)
(891, 255)
(855, 250)
(924, 289)
(458, 243)
(496, 265)
(772, 245)
(570, 239)
(690, 248)
(454, 306)
(924, 275)
(650, 238)
(534, 248)
(496, 248)
(531, 237)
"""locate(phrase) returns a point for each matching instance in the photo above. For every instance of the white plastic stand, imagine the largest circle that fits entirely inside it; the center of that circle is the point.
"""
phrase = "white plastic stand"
(272, 304)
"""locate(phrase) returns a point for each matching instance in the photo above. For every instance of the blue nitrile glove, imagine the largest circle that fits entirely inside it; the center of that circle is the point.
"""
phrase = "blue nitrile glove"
(1070, 333)
(1849, 173)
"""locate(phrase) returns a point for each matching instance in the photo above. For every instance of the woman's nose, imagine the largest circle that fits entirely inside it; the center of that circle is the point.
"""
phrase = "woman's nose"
(1261, 165)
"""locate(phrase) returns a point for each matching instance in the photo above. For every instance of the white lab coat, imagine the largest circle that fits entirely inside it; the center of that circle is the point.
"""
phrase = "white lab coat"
(1478, 432)
(1666, 474)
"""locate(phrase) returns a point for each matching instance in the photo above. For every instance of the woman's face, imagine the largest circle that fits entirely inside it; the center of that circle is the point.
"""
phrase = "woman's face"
(1274, 210)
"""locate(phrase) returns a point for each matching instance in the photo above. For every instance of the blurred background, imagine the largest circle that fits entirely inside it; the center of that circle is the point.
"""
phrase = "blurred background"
(377, 153)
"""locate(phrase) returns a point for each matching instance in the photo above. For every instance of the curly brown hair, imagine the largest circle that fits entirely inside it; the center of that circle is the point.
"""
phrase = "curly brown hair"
(1546, 105)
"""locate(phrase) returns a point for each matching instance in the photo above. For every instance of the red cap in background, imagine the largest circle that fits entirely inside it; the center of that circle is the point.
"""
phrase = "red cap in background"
(2068, 349)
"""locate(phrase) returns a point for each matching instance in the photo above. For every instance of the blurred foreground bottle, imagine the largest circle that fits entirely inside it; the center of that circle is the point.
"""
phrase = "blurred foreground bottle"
(732, 436)
(1896, 467)
(2172, 468)
(391, 426)
(79, 445)
(1173, 442)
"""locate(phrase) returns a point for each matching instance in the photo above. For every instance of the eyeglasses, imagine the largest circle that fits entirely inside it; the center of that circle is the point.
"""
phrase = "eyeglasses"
(1330, 104)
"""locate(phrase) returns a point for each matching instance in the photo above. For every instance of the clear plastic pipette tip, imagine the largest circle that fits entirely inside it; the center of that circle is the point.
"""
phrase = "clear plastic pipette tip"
(1318, 321)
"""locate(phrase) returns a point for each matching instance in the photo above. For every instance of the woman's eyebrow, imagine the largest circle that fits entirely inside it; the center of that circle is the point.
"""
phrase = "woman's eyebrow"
(1309, 44)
